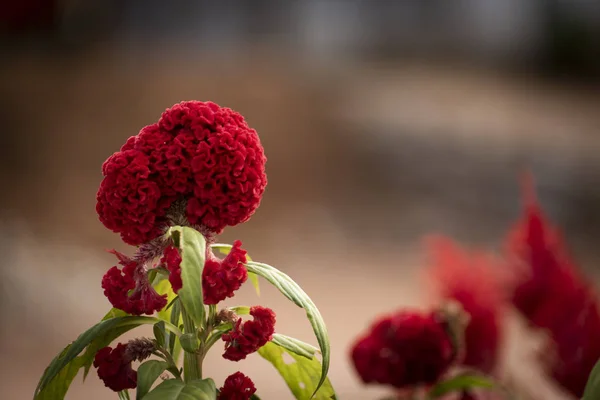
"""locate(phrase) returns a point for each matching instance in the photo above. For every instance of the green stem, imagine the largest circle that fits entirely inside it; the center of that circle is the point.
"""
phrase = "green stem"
(191, 366)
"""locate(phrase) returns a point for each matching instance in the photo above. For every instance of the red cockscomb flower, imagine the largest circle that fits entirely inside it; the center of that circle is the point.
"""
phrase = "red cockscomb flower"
(237, 387)
(114, 368)
(197, 152)
(221, 278)
(472, 280)
(552, 294)
(247, 337)
(403, 350)
(129, 289)
(172, 261)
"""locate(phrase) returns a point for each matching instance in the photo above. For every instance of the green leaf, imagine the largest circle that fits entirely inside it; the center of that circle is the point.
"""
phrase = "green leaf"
(160, 333)
(459, 383)
(162, 287)
(225, 249)
(294, 345)
(174, 389)
(147, 374)
(592, 388)
(189, 342)
(303, 376)
(292, 291)
(240, 310)
(174, 346)
(193, 252)
(124, 395)
(58, 376)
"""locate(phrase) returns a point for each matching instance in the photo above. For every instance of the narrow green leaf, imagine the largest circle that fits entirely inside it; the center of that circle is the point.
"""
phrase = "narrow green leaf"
(592, 388)
(55, 380)
(225, 249)
(459, 383)
(160, 333)
(147, 374)
(295, 346)
(292, 291)
(162, 287)
(174, 346)
(193, 252)
(240, 310)
(174, 389)
(124, 395)
(302, 375)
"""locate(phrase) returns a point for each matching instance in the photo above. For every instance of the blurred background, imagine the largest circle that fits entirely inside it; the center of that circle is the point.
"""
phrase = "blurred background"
(383, 121)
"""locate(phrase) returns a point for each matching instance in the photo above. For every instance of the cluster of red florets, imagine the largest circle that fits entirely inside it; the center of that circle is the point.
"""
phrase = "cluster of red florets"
(199, 153)
(245, 338)
(114, 368)
(221, 278)
(129, 289)
(172, 261)
(403, 350)
(554, 296)
(237, 387)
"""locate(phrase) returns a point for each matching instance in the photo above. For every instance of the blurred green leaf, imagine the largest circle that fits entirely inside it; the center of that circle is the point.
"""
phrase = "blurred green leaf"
(303, 375)
(189, 342)
(176, 319)
(592, 388)
(460, 383)
(193, 252)
(293, 292)
(147, 374)
(58, 376)
(225, 249)
(240, 310)
(174, 389)
(160, 333)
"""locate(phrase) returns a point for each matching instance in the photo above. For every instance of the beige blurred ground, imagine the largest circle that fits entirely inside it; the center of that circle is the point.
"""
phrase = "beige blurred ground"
(362, 162)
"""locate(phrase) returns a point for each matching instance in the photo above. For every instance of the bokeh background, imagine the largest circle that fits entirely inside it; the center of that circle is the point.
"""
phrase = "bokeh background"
(383, 121)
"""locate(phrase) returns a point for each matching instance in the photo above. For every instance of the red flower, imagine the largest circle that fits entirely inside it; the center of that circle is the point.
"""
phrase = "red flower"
(199, 152)
(472, 280)
(237, 387)
(553, 295)
(129, 289)
(221, 278)
(404, 349)
(114, 368)
(172, 260)
(250, 336)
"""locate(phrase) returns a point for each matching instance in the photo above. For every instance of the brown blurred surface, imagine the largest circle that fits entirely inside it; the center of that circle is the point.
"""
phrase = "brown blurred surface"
(361, 162)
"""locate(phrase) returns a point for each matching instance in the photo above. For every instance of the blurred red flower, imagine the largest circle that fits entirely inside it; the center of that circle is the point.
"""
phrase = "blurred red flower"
(237, 387)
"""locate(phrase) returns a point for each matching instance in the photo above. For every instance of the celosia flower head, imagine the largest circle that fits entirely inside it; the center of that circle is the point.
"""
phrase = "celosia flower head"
(172, 261)
(221, 278)
(403, 350)
(129, 289)
(471, 279)
(199, 153)
(237, 387)
(552, 294)
(247, 337)
(114, 368)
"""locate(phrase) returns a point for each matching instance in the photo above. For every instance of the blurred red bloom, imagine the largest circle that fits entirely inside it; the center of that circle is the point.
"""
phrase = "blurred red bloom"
(471, 279)
(405, 349)
(237, 387)
(221, 278)
(114, 368)
(172, 261)
(552, 294)
(129, 289)
(198, 152)
(245, 338)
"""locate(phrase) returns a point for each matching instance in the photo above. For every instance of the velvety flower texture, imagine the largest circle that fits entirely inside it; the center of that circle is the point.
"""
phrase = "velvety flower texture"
(405, 349)
(199, 153)
(220, 278)
(245, 338)
(237, 387)
(553, 295)
(473, 279)
(172, 261)
(129, 289)
(114, 368)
